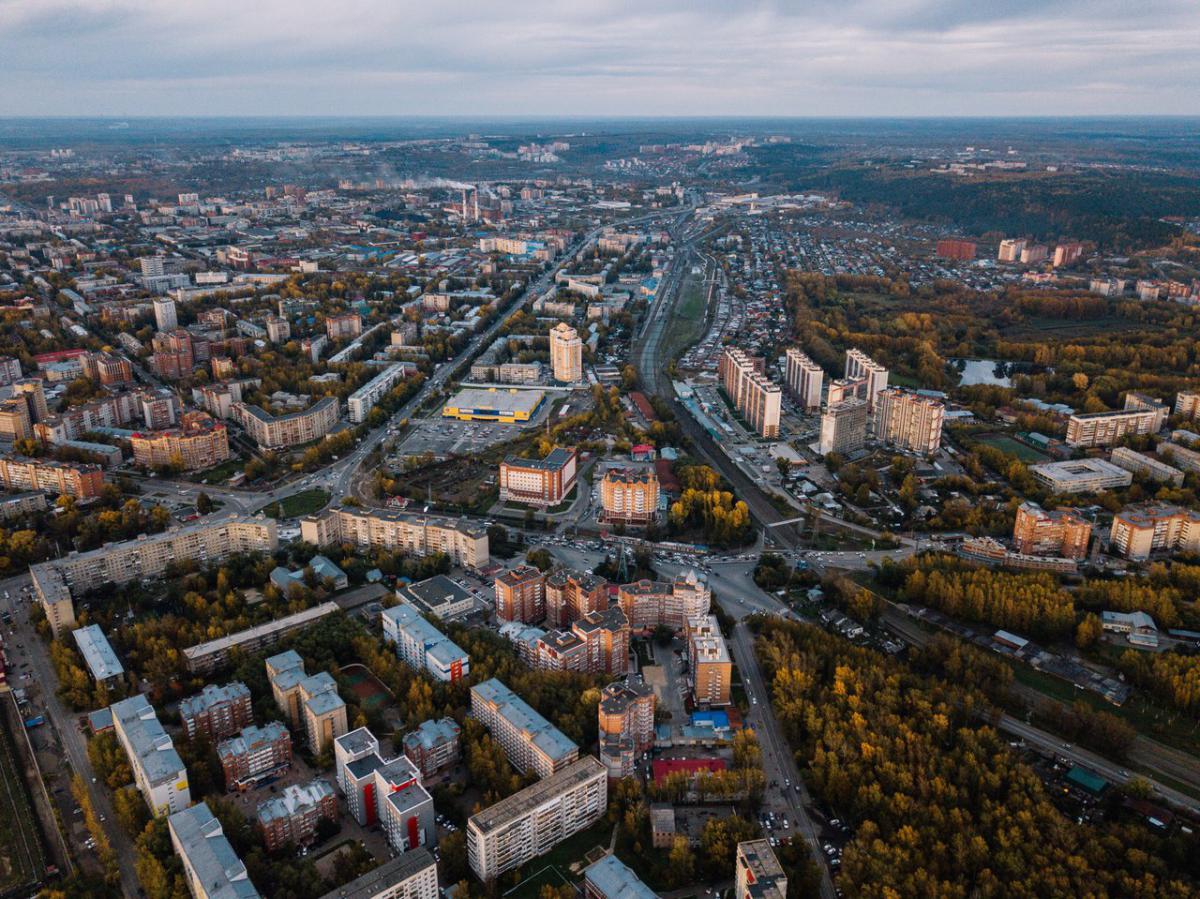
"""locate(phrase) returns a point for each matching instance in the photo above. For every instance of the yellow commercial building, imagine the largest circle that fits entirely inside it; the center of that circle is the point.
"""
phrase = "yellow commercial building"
(492, 404)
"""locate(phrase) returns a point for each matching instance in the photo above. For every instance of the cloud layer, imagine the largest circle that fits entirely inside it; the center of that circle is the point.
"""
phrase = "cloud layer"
(601, 57)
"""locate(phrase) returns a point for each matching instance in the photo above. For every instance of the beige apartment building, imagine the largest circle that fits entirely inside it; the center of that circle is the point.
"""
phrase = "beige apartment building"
(626, 725)
(629, 496)
(535, 820)
(710, 667)
(1062, 532)
(648, 604)
(566, 353)
(1139, 531)
(804, 378)
(843, 427)
(752, 392)
(572, 594)
(465, 544)
(908, 420)
(1141, 415)
(82, 480)
(860, 366)
(199, 442)
(539, 482)
(293, 429)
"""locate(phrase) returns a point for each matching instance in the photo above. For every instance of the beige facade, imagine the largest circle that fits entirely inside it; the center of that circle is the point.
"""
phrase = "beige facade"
(199, 442)
(295, 428)
(1137, 532)
(417, 535)
(909, 420)
(566, 353)
(629, 496)
(752, 392)
(710, 667)
(1062, 533)
(804, 379)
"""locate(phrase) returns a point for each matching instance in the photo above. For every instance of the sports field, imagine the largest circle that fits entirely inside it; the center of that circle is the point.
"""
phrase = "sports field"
(1007, 444)
(372, 695)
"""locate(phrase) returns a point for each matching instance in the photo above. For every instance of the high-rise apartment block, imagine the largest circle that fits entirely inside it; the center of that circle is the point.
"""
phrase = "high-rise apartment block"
(1187, 404)
(757, 872)
(174, 355)
(534, 820)
(1010, 250)
(710, 668)
(650, 604)
(108, 369)
(157, 768)
(909, 420)
(255, 754)
(530, 741)
(521, 594)
(422, 646)
(751, 391)
(324, 711)
(360, 403)
(860, 366)
(539, 482)
(629, 496)
(165, 316)
(82, 480)
(804, 378)
(951, 248)
(274, 431)
(217, 712)
(1088, 429)
(294, 814)
(465, 543)
(1062, 533)
(412, 875)
(843, 427)
(566, 354)
(1067, 253)
(199, 442)
(1034, 253)
(1139, 531)
(597, 643)
(626, 722)
(572, 594)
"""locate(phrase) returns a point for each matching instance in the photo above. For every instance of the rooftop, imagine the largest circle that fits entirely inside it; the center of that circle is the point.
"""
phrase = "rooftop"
(518, 713)
(434, 594)
(387, 875)
(613, 879)
(209, 854)
(98, 653)
(294, 797)
(503, 402)
(149, 742)
(260, 631)
(212, 695)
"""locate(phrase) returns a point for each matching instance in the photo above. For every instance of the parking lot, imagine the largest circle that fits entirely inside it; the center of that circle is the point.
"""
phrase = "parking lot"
(442, 437)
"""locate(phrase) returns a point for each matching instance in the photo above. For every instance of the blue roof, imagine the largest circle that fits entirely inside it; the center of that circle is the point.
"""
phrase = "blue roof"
(613, 879)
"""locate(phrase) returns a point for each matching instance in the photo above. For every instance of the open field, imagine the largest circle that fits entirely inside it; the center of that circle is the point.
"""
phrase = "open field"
(304, 503)
(1013, 447)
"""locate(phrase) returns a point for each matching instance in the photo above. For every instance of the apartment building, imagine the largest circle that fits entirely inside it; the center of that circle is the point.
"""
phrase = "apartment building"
(1062, 533)
(412, 875)
(15, 422)
(649, 604)
(199, 442)
(346, 326)
(255, 754)
(165, 317)
(212, 868)
(368, 780)
(406, 814)
(285, 671)
(464, 543)
(434, 746)
(98, 654)
(1139, 531)
(956, 249)
(1088, 429)
(752, 392)
(1141, 402)
(294, 815)
(1139, 463)
(909, 420)
(17, 505)
(757, 872)
(629, 496)
(274, 431)
(530, 741)
(843, 427)
(356, 757)
(710, 668)
(10, 370)
(534, 820)
(597, 643)
(626, 725)
(216, 711)
(1184, 457)
(363, 400)
(324, 711)
(1010, 250)
(34, 395)
(174, 354)
(1187, 403)
(422, 646)
(146, 557)
(572, 594)
(521, 594)
(158, 770)
(81, 480)
(566, 354)
(54, 596)
(212, 654)
(108, 369)
(1081, 476)
(804, 378)
(278, 329)
(861, 366)
(539, 482)
(610, 878)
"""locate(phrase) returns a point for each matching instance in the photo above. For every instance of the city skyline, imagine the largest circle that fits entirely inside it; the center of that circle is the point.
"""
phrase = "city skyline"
(867, 58)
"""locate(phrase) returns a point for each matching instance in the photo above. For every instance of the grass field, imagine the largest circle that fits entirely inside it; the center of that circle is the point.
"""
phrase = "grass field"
(21, 860)
(219, 474)
(1014, 447)
(305, 502)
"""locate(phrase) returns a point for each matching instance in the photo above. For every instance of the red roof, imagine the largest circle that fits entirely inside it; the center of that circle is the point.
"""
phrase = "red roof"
(666, 476)
(664, 768)
(643, 406)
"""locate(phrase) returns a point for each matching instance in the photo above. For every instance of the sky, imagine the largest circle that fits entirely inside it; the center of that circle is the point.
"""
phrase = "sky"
(599, 57)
